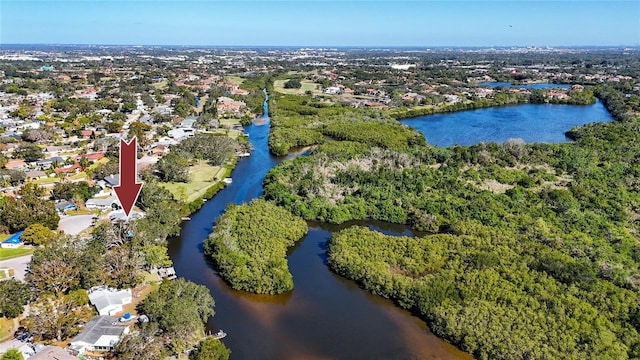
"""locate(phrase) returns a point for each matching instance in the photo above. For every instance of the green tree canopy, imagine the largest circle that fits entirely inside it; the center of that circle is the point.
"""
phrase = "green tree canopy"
(38, 234)
(180, 308)
(173, 168)
(29, 209)
(249, 246)
(293, 84)
(14, 295)
(211, 349)
(12, 354)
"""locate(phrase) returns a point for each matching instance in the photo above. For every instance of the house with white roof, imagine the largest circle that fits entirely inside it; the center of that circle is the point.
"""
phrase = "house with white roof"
(102, 204)
(109, 301)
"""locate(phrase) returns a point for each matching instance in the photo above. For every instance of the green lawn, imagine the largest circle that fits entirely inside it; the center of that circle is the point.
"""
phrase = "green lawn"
(235, 79)
(6, 254)
(201, 177)
(231, 122)
(160, 84)
(6, 328)
(278, 86)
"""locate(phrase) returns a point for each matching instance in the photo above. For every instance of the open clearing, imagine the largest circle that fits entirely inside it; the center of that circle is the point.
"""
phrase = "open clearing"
(278, 86)
(201, 177)
(6, 328)
(235, 79)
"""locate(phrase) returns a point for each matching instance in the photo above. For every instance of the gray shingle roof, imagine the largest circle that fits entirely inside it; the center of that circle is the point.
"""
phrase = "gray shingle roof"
(113, 180)
(97, 327)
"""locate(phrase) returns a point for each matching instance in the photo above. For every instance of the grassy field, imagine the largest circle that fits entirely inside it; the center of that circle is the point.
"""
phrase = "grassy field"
(235, 79)
(201, 177)
(6, 328)
(6, 254)
(229, 122)
(203, 100)
(278, 86)
(160, 84)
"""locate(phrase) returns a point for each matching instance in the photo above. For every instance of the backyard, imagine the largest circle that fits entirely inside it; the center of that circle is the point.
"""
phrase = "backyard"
(201, 177)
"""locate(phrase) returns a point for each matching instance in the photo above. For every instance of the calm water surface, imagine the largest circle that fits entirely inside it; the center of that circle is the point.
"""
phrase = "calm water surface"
(530, 122)
(324, 317)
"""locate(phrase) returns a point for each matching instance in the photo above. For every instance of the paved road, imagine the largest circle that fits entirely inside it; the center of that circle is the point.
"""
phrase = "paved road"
(18, 264)
(10, 344)
(72, 225)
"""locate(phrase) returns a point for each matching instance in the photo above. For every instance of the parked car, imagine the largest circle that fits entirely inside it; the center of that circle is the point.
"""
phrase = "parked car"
(21, 330)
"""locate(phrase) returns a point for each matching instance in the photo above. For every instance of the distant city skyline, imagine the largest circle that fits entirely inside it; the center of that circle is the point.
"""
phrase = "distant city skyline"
(326, 23)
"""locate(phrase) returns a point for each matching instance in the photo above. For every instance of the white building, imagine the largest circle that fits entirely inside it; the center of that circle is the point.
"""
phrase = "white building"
(332, 90)
(109, 301)
(102, 204)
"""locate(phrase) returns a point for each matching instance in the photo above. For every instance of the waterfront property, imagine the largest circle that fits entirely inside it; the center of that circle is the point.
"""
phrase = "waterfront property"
(99, 334)
(109, 301)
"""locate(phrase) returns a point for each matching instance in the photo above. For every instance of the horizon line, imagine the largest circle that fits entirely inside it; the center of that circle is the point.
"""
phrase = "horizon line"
(323, 46)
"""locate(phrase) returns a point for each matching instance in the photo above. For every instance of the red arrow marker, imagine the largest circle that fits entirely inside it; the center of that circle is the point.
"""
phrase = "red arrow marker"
(128, 189)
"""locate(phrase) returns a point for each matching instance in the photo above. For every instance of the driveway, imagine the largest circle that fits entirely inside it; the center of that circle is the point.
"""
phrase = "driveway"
(72, 225)
(18, 264)
(10, 344)
(23, 347)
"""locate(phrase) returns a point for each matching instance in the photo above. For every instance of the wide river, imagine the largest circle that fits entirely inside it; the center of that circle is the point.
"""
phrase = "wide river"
(325, 316)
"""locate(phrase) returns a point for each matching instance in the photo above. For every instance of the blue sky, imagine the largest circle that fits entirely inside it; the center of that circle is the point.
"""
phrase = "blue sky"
(321, 23)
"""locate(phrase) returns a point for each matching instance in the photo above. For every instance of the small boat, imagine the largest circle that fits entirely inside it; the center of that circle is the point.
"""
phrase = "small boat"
(219, 335)
(228, 180)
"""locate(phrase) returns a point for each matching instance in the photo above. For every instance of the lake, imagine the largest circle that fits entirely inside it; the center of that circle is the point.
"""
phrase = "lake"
(530, 122)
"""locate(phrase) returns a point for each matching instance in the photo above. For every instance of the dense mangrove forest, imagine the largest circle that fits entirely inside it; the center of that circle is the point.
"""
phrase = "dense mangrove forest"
(530, 250)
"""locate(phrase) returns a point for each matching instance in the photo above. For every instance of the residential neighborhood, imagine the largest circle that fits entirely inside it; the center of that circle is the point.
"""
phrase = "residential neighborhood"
(85, 278)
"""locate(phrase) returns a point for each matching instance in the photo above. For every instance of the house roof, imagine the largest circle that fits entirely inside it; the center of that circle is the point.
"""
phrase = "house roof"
(53, 148)
(102, 298)
(14, 239)
(50, 160)
(113, 180)
(98, 327)
(35, 174)
(53, 352)
(92, 156)
(12, 164)
(101, 202)
(64, 204)
(67, 169)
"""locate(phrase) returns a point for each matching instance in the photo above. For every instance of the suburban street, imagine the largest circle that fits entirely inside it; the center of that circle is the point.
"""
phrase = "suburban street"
(18, 264)
(10, 344)
(73, 225)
